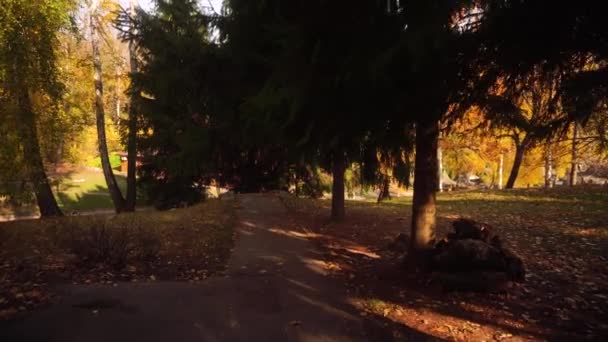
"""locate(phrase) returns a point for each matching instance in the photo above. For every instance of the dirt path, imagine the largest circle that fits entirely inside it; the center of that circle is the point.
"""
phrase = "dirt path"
(275, 290)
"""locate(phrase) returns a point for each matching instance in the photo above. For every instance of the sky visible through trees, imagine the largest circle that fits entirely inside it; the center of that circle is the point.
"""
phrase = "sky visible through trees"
(148, 5)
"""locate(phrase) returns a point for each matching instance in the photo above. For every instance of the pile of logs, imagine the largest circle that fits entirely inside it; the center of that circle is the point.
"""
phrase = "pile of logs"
(473, 258)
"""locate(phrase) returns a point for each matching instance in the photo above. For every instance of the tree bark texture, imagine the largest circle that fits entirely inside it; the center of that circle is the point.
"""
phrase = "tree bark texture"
(439, 169)
(574, 157)
(425, 188)
(47, 203)
(385, 192)
(500, 168)
(115, 194)
(520, 150)
(548, 168)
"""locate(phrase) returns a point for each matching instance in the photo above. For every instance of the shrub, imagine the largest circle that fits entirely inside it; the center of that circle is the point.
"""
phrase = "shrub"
(315, 183)
(96, 161)
(168, 195)
(148, 244)
(111, 241)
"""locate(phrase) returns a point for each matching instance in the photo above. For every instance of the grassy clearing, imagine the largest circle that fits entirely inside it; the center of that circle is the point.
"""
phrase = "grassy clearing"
(184, 244)
(86, 190)
(76, 191)
(561, 233)
(96, 162)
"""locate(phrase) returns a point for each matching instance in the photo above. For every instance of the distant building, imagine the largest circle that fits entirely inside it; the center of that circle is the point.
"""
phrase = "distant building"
(124, 158)
(468, 180)
(594, 174)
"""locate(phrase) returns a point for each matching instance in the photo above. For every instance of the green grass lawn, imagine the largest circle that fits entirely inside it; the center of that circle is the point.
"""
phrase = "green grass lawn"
(96, 162)
(562, 210)
(77, 191)
(86, 190)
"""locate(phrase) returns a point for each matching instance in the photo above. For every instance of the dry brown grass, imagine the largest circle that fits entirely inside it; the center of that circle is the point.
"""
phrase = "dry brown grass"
(183, 244)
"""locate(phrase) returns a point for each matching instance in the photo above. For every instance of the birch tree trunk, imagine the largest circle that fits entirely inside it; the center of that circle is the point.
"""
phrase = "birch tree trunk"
(548, 167)
(439, 169)
(500, 167)
(113, 189)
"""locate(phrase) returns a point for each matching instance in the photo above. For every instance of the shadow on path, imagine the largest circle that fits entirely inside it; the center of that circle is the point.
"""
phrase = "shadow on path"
(275, 290)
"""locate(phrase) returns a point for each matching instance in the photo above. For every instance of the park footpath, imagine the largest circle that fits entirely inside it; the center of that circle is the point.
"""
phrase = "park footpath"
(275, 289)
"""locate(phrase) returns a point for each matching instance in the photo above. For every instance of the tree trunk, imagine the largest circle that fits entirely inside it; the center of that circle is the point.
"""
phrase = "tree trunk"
(425, 187)
(113, 189)
(385, 192)
(337, 190)
(131, 161)
(548, 167)
(520, 150)
(500, 167)
(117, 98)
(296, 180)
(439, 169)
(47, 203)
(574, 163)
(132, 134)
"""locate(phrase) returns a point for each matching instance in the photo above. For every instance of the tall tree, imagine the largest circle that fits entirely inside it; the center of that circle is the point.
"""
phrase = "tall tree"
(500, 168)
(322, 80)
(548, 37)
(95, 29)
(132, 122)
(26, 121)
(548, 169)
(429, 69)
(527, 113)
(425, 187)
(191, 112)
(337, 189)
(28, 43)
(574, 156)
(540, 106)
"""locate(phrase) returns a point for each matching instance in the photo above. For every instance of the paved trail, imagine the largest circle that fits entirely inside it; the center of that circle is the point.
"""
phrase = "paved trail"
(275, 290)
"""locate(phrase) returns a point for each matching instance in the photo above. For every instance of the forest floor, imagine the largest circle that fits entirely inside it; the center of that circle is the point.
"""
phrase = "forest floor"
(275, 288)
(293, 274)
(188, 244)
(561, 234)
